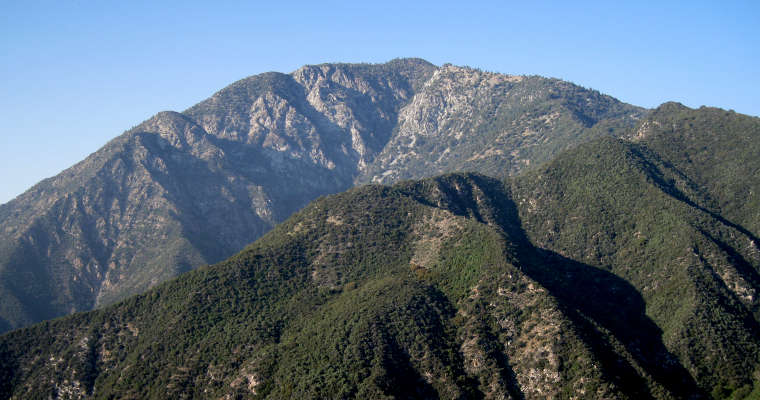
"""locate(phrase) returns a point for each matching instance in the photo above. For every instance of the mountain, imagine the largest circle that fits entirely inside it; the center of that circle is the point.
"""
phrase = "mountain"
(181, 190)
(597, 275)
(623, 208)
(469, 120)
(716, 148)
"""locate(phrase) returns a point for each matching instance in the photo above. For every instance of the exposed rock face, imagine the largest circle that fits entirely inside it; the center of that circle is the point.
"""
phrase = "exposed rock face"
(464, 119)
(157, 201)
(337, 117)
(185, 189)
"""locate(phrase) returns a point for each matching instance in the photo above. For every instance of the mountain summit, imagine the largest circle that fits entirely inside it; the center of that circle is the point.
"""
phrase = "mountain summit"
(613, 252)
(181, 190)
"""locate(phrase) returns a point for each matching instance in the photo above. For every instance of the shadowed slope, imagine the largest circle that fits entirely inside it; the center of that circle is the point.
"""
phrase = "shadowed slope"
(620, 208)
(182, 190)
(429, 289)
(718, 149)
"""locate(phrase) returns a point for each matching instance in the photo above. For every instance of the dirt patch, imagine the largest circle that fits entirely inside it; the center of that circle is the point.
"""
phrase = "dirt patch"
(431, 232)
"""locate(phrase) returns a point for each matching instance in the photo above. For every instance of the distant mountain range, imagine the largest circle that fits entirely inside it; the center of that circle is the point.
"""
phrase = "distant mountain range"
(593, 250)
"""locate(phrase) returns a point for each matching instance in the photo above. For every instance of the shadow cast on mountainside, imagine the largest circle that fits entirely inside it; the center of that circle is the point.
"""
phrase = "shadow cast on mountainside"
(9, 366)
(673, 191)
(403, 381)
(608, 311)
(503, 368)
(600, 303)
(744, 267)
(603, 304)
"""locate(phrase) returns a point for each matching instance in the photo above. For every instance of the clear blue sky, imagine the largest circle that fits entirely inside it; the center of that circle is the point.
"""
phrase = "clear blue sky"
(77, 73)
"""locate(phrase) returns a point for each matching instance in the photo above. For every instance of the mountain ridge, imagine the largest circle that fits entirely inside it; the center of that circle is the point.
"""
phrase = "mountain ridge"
(455, 286)
(185, 189)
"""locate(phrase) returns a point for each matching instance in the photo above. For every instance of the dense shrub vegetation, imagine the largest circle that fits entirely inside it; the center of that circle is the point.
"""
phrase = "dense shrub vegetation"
(617, 270)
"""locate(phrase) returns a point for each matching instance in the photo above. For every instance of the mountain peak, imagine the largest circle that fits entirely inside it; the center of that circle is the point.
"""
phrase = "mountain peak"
(670, 107)
(595, 247)
(184, 189)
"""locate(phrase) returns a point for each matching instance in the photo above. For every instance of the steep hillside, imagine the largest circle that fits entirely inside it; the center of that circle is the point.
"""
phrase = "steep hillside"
(719, 149)
(334, 116)
(168, 195)
(619, 207)
(592, 277)
(182, 190)
(463, 119)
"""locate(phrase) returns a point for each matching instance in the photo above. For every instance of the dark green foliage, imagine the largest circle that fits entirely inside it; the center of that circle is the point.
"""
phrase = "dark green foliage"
(598, 274)
(182, 190)
(617, 270)
(718, 149)
(621, 208)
